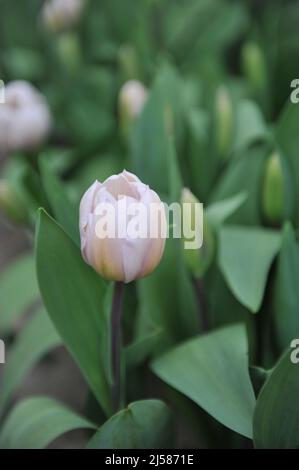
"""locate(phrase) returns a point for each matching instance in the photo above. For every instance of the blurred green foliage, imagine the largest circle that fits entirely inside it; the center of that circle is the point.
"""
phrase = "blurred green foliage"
(218, 74)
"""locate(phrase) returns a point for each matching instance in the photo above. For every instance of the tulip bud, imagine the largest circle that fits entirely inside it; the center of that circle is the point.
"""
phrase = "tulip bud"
(60, 15)
(68, 50)
(198, 261)
(128, 62)
(254, 66)
(274, 197)
(25, 119)
(132, 98)
(11, 204)
(224, 121)
(122, 228)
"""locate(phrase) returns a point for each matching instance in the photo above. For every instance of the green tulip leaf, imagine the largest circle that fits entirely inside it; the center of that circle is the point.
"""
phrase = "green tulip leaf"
(287, 138)
(143, 424)
(73, 295)
(212, 370)
(201, 173)
(276, 417)
(35, 422)
(243, 174)
(245, 257)
(167, 296)
(36, 339)
(18, 291)
(218, 212)
(286, 295)
(149, 139)
(250, 125)
(142, 347)
(64, 210)
(258, 376)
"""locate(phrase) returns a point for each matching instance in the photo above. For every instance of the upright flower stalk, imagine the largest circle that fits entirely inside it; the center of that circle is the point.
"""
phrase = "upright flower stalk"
(199, 261)
(116, 342)
(200, 294)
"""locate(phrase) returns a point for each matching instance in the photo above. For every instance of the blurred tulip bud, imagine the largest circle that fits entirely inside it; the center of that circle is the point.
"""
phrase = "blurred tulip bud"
(128, 62)
(134, 246)
(68, 49)
(11, 203)
(275, 202)
(132, 98)
(254, 66)
(198, 261)
(224, 121)
(25, 119)
(60, 15)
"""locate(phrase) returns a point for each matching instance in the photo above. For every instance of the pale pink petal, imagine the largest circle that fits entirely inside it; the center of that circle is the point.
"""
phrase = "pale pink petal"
(131, 178)
(118, 185)
(153, 257)
(87, 204)
(133, 253)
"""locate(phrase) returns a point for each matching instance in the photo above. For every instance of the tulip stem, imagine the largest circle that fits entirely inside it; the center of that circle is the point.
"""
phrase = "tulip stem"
(202, 303)
(116, 338)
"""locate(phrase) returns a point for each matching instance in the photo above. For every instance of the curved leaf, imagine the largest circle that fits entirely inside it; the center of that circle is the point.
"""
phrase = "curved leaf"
(142, 347)
(35, 340)
(243, 173)
(73, 295)
(276, 418)
(18, 278)
(64, 210)
(286, 295)
(288, 141)
(34, 423)
(250, 125)
(219, 211)
(142, 425)
(245, 257)
(212, 370)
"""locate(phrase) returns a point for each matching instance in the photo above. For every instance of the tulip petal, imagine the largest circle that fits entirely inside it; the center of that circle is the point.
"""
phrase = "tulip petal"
(107, 258)
(153, 257)
(87, 203)
(118, 185)
(130, 177)
(133, 254)
(122, 255)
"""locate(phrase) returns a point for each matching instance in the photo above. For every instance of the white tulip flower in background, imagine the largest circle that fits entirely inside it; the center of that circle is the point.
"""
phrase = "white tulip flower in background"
(59, 15)
(25, 118)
